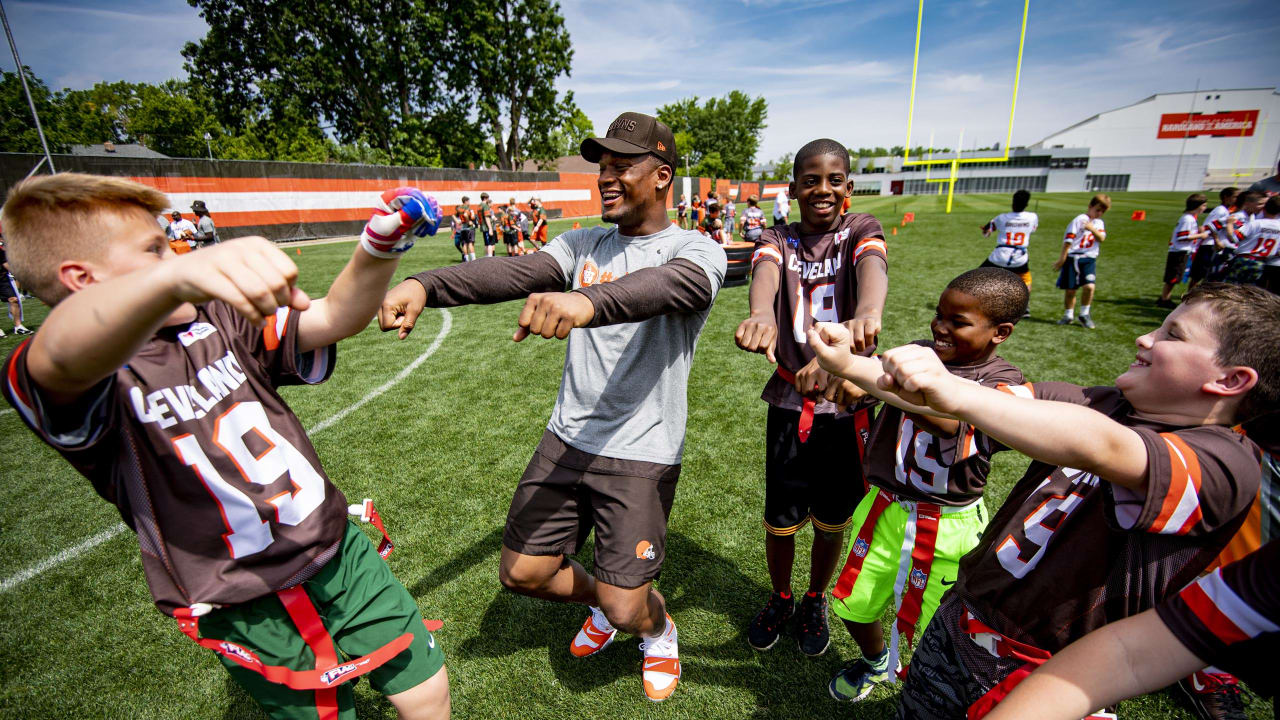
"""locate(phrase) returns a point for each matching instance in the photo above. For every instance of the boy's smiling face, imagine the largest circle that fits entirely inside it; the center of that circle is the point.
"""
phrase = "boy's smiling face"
(962, 333)
(1174, 363)
(820, 186)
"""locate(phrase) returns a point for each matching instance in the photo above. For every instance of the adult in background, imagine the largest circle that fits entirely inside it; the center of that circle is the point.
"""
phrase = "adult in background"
(610, 457)
(206, 233)
(781, 207)
(181, 233)
(1269, 185)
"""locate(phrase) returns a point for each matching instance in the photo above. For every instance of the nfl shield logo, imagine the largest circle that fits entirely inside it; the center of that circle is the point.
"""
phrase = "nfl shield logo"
(918, 579)
(860, 547)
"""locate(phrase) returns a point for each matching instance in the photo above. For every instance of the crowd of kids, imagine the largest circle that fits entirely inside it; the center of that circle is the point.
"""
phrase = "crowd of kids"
(155, 376)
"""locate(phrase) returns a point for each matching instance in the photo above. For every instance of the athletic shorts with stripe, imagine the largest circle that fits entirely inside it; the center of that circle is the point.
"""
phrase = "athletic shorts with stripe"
(566, 492)
(363, 607)
(1175, 264)
(890, 556)
(1078, 271)
(818, 480)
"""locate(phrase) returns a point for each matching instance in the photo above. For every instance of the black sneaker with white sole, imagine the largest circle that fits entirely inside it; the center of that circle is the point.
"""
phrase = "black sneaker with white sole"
(1087, 321)
(814, 633)
(764, 630)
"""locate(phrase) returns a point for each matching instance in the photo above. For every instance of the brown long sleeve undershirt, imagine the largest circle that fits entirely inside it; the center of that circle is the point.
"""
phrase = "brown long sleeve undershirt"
(677, 286)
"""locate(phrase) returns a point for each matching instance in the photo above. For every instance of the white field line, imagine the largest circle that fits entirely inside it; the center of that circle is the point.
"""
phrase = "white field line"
(71, 553)
(9, 410)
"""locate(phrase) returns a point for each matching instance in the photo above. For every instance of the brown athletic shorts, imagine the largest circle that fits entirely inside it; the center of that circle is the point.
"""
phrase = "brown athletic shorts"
(565, 493)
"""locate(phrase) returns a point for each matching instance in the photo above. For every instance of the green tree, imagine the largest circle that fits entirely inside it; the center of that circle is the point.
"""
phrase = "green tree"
(711, 166)
(507, 55)
(17, 129)
(372, 71)
(569, 136)
(729, 125)
(780, 169)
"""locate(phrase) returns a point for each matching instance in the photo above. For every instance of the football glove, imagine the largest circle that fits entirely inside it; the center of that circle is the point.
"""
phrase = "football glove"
(403, 214)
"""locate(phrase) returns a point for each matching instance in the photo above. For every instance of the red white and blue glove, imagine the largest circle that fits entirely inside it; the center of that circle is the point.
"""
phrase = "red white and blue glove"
(403, 214)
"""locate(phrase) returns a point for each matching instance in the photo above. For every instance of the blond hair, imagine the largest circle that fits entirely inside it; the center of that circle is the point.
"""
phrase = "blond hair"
(1101, 200)
(49, 220)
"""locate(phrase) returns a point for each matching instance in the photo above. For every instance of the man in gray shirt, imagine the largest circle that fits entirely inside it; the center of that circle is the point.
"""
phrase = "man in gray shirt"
(206, 233)
(639, 296)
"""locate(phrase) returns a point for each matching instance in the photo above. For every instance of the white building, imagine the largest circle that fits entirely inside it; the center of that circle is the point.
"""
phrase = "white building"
(1239, 131)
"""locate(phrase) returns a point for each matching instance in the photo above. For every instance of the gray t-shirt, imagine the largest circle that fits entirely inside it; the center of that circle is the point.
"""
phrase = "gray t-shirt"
(208, 232)
(623, 394)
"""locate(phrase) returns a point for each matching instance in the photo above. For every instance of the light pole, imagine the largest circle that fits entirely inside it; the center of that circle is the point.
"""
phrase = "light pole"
(207, 138)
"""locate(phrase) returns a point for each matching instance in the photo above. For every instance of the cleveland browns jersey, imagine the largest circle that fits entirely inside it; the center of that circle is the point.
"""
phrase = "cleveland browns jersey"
(1216, 224)
(1013, 238)
(913, 463)
(819, 284)
(1069, 552)
(1231, 618)
(1082, 242)
(203, 459)
(1181, 240)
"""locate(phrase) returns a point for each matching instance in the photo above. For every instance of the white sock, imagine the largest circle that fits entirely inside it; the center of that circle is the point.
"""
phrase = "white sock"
(1084, 309)
(1069, 313)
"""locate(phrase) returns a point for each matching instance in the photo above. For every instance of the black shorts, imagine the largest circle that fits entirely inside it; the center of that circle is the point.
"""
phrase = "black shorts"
(463, 236)
(1078, 271)
(510, 238)
(1202, 262)
(1271, 279)
(1016, 270)
(490, 239)
(566, 492)
(819, 480)
(1174, 265)
(7, 291)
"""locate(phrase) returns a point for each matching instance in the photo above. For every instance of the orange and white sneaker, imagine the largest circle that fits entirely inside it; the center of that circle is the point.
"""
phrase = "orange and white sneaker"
(661, 663)
(595, 635)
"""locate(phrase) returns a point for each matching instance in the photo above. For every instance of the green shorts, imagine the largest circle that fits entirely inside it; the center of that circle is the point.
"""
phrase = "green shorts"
(363, 606)
(873, 591)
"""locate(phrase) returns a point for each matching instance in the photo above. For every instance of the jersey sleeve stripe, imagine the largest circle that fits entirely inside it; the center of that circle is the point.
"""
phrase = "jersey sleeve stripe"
(766, 253)
(1223, 612)
(274, 330)
(1180, 510)
(870, 245)
(20, 399)
(1025, 390)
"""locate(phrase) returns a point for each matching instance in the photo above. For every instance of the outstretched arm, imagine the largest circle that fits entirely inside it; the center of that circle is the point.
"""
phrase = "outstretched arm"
(1126, 658)
(759, 332)
(1058, 433)
(488, 280)
(96, 329)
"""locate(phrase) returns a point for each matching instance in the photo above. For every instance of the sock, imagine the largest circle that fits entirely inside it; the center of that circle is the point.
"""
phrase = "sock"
(879, 662)
(1084, 309)
(1069, 313)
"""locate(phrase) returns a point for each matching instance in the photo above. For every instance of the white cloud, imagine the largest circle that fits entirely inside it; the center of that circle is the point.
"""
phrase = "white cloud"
(618, 88)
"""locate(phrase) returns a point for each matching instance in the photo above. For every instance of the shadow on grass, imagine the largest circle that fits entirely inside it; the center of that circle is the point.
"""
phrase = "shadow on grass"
(1140, 310)
(474, 554)
(694, 581)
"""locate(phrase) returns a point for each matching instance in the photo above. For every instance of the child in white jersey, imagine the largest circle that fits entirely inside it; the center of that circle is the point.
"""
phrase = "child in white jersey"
(1078, 262)
(1186, 235)
(1013, 238)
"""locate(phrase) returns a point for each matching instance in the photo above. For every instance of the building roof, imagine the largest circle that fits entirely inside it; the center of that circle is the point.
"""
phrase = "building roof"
(1148, 99)
(107, 149)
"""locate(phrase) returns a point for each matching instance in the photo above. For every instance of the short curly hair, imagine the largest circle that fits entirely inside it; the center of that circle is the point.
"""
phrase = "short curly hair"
(1001, 294)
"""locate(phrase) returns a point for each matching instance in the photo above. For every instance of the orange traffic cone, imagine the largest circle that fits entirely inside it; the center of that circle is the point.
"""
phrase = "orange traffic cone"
(298, 250)
(576, 225)
(895, 231)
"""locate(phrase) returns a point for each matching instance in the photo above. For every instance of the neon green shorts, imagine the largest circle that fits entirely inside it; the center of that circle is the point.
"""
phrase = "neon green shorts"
(363, 607)
(873, 592)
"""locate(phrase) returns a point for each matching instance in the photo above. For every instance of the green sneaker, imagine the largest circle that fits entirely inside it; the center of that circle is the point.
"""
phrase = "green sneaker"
(856, 680)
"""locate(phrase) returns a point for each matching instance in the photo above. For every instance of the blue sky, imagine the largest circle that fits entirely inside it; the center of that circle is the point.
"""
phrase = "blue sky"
(832, 68)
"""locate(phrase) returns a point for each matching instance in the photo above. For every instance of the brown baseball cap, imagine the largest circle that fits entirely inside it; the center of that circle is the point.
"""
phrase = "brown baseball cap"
(633, 133)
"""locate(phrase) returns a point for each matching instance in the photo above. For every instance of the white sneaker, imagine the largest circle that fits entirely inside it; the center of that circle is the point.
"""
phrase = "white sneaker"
(596, 635)
(21, 330)
(661, 663)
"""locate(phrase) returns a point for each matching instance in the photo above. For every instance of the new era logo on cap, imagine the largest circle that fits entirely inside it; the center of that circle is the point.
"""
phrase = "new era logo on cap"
(633, 133)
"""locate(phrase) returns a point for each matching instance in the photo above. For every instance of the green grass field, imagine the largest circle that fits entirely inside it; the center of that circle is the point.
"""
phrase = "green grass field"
(441, 451)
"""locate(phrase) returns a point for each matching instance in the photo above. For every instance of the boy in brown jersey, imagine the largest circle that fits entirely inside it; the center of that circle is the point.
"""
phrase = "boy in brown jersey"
(1135, 489)
(828, 267)
(924, 511)
(464, 230)
(155, 376)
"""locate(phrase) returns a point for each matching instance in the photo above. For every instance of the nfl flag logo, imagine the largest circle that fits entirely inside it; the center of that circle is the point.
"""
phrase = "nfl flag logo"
(860, 547)
(918, 579)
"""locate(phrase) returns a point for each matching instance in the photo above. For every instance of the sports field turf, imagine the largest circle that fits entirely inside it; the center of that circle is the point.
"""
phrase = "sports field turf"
(441, 450)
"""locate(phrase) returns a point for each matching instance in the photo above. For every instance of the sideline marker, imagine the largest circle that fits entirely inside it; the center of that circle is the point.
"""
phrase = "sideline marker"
(1139, 215)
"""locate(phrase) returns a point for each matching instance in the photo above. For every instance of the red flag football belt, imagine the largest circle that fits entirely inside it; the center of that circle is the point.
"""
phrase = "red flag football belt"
(329, 671)
(922, 552)
(861, 418)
